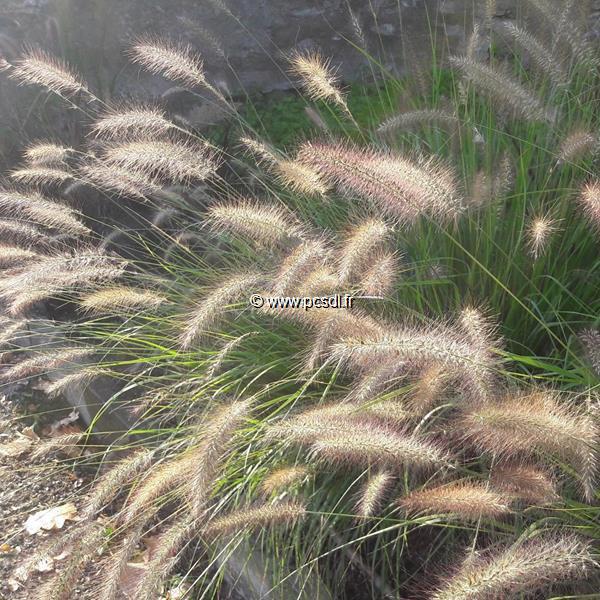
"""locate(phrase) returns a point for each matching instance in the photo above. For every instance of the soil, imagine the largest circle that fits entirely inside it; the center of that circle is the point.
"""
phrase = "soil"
(26, 487)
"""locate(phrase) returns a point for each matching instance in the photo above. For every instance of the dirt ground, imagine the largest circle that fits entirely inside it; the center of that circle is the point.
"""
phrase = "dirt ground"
(27, 486)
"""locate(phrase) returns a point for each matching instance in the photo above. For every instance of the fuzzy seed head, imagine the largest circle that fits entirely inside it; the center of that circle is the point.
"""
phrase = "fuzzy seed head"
(536, 422)
(317, 77)
(362, 241)
(523, 568)
(539, 231)
(402, 188)
(38, 211)
(127, 182)
(40, 175)
(300, 178)
(259, 149)
(214, 305)
(527, 483)
(577, 145)
(174, 161)
(135, 122)
(120, 300)
(295, 267)
(285, 513)
(37, 67)
(373, 494)
(428, 116)
(589, 201)
(173, 61)
(12, 258)
(503, 89)
(266, 225)
(284, 479)
(590, 339)
(379, 279)
(463, 500)
(47, 154)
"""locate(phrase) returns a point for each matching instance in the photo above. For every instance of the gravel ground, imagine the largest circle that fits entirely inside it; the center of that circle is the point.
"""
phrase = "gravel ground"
(27, 486)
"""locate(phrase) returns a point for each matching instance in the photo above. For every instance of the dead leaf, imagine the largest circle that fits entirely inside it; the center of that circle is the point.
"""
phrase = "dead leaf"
(5, 548)
(44, 565)
(16, 447)
(51, 518)
(13, 584)
(31, 434)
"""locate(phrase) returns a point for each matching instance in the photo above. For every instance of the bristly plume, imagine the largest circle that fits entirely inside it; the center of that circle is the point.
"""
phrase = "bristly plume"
(216, 435)
(539, 231)
(544, 58)
(317, 78)
(213, 306)
(56, 274)
(134, 122)
(473, 365)
(379, 279)
(164, 481)
(376, 445)
(576, 145)
(376, 380)
(372, 494)
(115, 565)
(527, 483)
(590, 339)
(83, 550)
(357, 250)
(224, 353)
(503, 88)
(299, 178)
(173, 61)
(47, 154)
(525, 567)
(66, 443)
(428, 388)
(121, 300)
(37, 67)
(38, 211)
(284, 513)
(112, 178)
(11, 257)
(40, 175)
(589, 200)
(402, 188)
(261, 151)
(174, 161)
(284, 479)
(463, 500)
(71, 381)
(306, 257)
(168, 546)
(340, 434)
(427, 116)
(481, 330)
(536, 422)
(320, 281)
(23, 235)
(46, 362)
(265, 224)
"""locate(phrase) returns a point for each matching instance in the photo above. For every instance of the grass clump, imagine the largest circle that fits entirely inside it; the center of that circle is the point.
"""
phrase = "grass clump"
(453, 406)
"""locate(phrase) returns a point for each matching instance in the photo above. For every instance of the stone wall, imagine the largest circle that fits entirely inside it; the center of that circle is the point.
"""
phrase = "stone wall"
(244, 43)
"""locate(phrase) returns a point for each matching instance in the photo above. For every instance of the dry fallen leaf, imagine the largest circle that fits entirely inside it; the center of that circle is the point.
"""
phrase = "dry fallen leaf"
(16, 447)
(50, 518)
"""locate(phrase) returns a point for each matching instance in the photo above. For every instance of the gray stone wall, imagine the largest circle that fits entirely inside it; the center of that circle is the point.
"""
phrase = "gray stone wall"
(244, 43)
